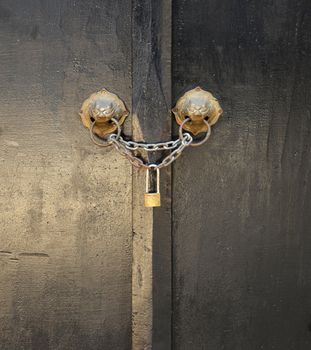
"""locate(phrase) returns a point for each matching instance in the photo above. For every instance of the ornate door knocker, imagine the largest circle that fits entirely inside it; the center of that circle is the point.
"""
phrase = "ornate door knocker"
(195, 112)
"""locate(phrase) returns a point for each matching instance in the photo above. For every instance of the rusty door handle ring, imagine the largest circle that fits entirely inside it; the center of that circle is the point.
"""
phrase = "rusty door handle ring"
(103, 142)
(196, 143)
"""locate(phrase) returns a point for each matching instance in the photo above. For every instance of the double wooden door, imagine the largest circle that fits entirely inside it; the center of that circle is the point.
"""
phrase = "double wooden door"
(225, 263)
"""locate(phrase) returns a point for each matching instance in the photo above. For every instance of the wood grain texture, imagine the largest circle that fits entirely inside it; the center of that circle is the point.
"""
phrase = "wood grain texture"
(151, 84)
(242, 202)
(65, 251)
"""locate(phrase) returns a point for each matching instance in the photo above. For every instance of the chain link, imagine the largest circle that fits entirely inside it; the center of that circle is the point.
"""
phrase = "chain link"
(127, 148)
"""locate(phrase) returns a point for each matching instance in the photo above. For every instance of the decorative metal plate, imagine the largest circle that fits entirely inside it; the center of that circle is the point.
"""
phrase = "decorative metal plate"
(198, 105)
(100, 107)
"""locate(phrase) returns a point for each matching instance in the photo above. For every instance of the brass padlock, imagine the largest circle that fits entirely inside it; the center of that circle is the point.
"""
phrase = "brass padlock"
(152, 199)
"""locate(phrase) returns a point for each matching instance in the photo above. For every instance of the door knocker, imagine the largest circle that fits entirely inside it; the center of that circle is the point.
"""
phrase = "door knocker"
(195, 112)
(99, 112)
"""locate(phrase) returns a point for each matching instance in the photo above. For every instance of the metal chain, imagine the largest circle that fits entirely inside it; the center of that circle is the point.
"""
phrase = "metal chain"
(150, 147)
(127, 148)
(186, 141)
(135, 161)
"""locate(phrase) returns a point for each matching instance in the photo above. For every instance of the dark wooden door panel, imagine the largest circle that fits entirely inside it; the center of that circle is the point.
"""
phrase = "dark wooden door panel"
(242, 203)
(65, 254)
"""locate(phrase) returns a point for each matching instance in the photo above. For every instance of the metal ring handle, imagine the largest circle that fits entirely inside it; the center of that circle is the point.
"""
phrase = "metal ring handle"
(199, 143)
(104, 143)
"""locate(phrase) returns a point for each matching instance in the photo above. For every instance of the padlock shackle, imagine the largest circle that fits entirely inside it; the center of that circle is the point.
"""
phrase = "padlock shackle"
(148, 180)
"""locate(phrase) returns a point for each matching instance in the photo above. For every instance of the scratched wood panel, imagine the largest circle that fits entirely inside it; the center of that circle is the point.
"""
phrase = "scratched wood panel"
(242, 202)
(65, 238)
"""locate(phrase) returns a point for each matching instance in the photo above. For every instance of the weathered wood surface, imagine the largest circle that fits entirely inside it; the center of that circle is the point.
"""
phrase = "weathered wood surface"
(151, 227)
(65, 238)
(242, 202)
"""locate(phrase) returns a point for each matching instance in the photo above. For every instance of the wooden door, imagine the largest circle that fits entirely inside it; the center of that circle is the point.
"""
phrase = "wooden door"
(225, 262)
(66, 211)
(242, 202)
